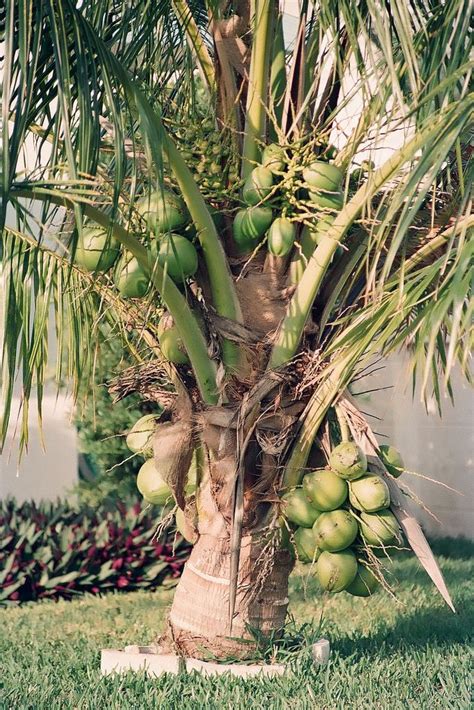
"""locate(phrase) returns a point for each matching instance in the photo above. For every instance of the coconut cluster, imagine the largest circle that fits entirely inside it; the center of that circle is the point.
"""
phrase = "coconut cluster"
(268, 212)
(152, 476)
(150, 482)
(341, 512)
(169, 243)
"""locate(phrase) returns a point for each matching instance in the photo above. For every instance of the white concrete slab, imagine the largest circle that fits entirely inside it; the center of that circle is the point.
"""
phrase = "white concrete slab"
(155, 664)
(145, 658)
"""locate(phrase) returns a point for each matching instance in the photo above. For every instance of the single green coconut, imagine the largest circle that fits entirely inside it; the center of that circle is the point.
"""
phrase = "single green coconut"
(170, 342)
(258, 185)
(281, 236)
(332, 201)
(323, 176)
(178, 256)
(96, 250)
(364, 584)
(335, 530)
(379, 529)
(164, 211)
(129, 277)
(325, 489)
(315, 234)
(140, 437)
(151, 484)
(369, 493)
(250, 225)
(305, 544)
(392, 460)
(273, 158)
(298, 509)
(348, 461)
(336, 570)
(183, 527)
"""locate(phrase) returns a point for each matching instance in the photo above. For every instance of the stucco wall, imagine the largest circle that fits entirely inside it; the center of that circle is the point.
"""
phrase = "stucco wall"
(41, 474)
(439, 448)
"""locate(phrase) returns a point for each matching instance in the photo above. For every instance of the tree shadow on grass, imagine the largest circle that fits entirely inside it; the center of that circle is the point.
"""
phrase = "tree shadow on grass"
(453, 548)
(418, 629)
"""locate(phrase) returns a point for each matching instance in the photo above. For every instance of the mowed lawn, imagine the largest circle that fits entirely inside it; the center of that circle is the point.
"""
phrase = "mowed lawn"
(410, 653)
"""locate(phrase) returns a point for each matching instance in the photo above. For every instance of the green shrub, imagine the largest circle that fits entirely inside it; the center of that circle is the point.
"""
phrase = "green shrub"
(107, 468)
(54, 550)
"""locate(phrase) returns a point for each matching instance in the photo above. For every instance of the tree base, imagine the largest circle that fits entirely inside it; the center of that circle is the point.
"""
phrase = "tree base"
(198, 623)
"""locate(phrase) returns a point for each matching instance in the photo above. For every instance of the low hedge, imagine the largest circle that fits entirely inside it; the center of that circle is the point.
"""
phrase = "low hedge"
(53, 550)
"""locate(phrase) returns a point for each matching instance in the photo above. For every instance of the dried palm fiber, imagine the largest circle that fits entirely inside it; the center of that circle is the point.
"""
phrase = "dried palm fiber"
(218, 433)
(187, 518)
(173, 450)
(150, 380)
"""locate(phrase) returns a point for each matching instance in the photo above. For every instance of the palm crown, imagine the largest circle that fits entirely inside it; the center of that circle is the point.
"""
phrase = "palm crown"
(241, 182)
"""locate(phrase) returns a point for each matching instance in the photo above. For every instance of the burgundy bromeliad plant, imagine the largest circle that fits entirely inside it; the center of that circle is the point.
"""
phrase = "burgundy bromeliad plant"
(55, 551)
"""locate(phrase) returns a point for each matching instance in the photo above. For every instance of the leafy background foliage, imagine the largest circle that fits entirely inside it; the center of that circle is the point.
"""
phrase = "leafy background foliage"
(110, 468)
(55, 550)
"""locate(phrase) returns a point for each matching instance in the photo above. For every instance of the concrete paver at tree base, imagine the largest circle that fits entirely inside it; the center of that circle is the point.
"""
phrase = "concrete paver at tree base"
(144, 658)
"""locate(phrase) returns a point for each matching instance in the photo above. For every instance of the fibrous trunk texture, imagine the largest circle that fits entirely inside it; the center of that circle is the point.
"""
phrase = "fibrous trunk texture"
(198, 623)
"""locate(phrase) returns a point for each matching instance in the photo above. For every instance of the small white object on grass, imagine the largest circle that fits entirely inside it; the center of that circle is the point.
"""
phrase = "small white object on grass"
(321, 651)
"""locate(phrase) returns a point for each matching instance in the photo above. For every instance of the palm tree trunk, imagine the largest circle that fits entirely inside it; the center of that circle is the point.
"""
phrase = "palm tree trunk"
(198, 623)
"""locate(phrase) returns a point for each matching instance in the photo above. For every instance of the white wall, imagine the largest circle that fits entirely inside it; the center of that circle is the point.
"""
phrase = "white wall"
(440, 448)
(41, 474)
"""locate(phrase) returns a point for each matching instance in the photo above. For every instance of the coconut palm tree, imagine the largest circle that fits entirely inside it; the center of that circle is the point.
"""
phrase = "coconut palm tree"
(269, 248)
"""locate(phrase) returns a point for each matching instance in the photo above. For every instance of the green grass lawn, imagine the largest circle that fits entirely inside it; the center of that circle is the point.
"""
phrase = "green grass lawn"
(410, 653)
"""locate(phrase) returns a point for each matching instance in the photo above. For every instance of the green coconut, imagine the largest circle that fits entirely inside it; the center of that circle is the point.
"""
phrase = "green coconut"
(379, 529)
(305, 544)
(392, 460)
(170, 342)
(152, 485)
(369, 493)
(273, 158)
(325, 489)
(332, 201)
(164, 211)
(336, 570)
(96, 250)
(335, 530)
(364, 584)
(250, 225)
(298, 509)
(140, 437)
(348, 461)
(258, 185)
(129, 277)
(281, 236)
(178, 256)
(323, 176)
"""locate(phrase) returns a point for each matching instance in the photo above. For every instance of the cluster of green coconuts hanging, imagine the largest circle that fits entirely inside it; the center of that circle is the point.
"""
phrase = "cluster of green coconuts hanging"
(322, 184)
(338, 512)
(171, 245)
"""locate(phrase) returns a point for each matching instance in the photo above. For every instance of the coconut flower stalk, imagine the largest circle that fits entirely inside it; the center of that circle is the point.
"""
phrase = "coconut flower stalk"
(254, 357)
